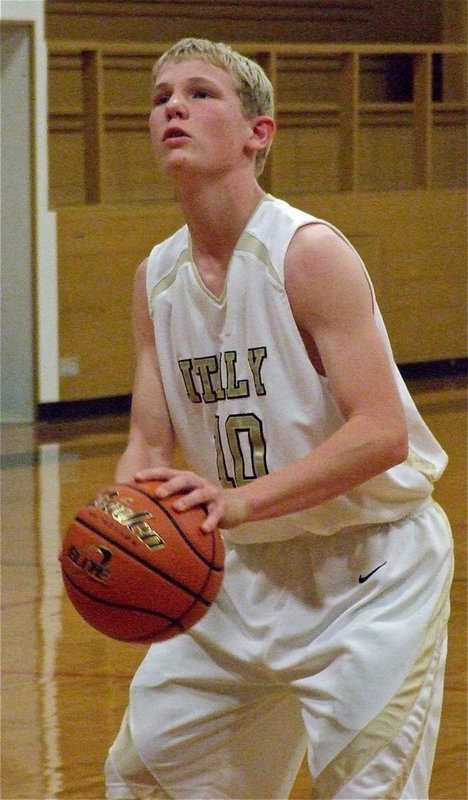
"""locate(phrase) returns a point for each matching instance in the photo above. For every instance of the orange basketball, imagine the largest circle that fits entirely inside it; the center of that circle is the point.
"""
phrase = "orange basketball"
(136, 569)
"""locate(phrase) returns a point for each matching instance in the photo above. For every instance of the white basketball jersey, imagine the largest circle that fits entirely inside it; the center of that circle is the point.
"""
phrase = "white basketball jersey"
(243, 396)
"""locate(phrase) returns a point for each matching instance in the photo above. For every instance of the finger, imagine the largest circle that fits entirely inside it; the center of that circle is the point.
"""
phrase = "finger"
(214, 515)
(210, 524)
(197, 496)
(180, 483)
(234, 510)
(155, 474)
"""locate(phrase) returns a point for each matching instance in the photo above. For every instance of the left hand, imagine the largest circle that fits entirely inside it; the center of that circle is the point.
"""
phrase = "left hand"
(224, 507)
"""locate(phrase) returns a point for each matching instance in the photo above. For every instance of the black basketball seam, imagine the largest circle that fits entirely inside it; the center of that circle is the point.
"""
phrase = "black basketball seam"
(144, 638)
(151, 567)
(112, 604)
(176, 525)
(148, 639)
(173, 522)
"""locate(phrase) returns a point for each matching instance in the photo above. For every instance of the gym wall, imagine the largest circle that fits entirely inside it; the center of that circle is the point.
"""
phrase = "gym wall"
(372, 136)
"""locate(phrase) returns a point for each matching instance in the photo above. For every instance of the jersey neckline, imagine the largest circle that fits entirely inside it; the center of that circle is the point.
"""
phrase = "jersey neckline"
(220, 299)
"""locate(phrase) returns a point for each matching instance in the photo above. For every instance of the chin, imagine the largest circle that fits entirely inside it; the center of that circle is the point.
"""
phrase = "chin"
(176, 160)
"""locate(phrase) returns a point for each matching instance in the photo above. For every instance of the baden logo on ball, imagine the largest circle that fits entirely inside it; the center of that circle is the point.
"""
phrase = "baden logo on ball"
(137, 570)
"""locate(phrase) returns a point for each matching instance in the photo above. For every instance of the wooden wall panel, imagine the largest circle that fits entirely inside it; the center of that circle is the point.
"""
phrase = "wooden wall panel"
(132, 173)
(128, 81)
(314, 79)
(242, 20)
(449, 153)
(307, 154)
(99, 251)
(66, 167)
(414, 245)
(307, 159)
(378, 140)
(65, 89)
(306, 79)
(386, 156)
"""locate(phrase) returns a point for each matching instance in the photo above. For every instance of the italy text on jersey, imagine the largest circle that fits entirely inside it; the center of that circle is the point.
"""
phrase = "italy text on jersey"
(211, 379)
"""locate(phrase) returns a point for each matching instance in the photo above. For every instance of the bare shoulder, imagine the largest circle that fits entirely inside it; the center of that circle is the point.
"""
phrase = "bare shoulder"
(142, 325)
(324, 274)
(333, 305)
(319, 242)
(139, 285)
(140, 276)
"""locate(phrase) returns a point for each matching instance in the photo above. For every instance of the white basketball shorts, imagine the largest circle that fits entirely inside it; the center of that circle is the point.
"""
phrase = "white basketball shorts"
(334, 645)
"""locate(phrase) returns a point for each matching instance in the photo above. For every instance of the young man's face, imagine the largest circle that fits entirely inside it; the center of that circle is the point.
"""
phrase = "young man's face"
(197, 121)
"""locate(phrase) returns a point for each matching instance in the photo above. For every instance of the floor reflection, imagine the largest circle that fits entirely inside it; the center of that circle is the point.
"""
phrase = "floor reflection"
(64, 685)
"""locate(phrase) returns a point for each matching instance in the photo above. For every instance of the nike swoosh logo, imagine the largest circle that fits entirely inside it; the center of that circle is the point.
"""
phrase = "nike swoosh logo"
(364, 578)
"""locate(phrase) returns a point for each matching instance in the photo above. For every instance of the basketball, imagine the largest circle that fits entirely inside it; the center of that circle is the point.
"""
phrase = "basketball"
(136, 569)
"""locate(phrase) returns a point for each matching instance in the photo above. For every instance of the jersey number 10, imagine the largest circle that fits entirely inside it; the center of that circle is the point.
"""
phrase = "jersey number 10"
(246, 448)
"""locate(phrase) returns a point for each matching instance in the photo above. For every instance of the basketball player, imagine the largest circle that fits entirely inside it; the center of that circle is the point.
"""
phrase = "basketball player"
(262, 352)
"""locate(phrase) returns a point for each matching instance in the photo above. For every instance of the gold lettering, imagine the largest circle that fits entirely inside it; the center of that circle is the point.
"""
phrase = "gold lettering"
(185, 366)
(234, 388)
(249, 460)
(208, 370)
(147, 535)
(212, 385)
(256, 356)
(133, 520)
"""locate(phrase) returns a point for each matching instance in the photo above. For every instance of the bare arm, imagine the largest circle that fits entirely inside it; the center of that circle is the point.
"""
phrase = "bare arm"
(332, 305)
(150, 442)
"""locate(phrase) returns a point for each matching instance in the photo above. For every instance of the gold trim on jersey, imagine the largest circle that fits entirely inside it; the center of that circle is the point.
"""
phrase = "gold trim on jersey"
(425, 467)
(167, 281)
(248, 243)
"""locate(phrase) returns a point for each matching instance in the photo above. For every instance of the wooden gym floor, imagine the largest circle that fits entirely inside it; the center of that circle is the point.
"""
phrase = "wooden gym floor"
(64, 686)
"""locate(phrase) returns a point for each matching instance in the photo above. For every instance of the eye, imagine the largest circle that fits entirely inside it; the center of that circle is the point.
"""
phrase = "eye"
(160, 99)
(201, 94)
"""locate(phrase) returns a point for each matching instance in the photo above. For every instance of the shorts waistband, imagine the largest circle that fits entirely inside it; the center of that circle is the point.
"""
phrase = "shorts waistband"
(422, 506)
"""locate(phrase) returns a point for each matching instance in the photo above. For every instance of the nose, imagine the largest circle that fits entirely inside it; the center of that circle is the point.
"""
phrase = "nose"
(175, 107)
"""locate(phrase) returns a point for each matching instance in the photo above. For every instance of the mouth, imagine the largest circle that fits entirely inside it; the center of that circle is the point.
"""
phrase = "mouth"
(174, 133)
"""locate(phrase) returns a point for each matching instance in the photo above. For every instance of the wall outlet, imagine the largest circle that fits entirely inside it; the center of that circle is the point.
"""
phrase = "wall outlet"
(69, 366)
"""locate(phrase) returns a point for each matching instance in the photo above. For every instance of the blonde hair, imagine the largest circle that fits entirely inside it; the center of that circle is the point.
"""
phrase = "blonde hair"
(253, 87)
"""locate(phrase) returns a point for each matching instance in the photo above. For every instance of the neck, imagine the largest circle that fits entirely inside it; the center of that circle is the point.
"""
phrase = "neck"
(217, 212)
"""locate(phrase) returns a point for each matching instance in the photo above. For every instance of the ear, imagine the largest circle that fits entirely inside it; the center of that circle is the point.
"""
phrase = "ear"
(263, 130)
